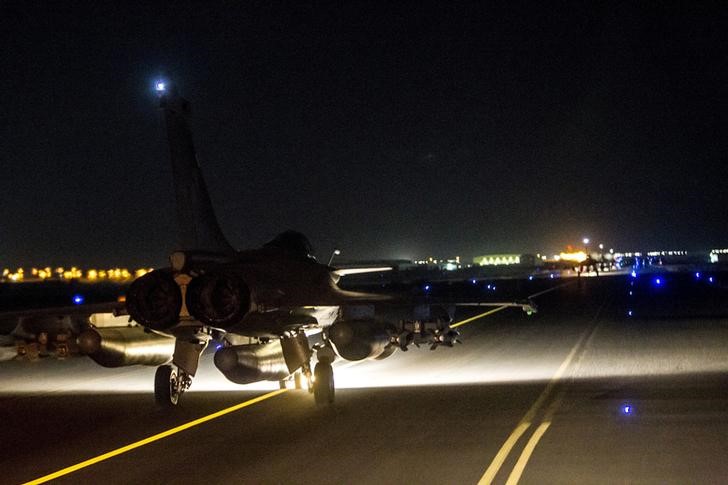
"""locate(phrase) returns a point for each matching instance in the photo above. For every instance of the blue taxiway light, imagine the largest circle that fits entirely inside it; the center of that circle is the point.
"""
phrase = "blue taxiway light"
(629, 313)
(634, 274)
(627, 409)
(658, 281)
(427, 287)
(77, 299)
(474, 281)
(530, 277)
(710, 279)
(697, 275)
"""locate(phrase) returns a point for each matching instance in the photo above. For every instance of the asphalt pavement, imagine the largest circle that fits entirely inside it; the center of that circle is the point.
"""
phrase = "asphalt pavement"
(601, 386)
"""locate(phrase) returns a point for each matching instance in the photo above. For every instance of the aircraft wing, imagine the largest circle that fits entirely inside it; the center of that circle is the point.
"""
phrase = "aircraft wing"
(409, 299)
(48, 331)
(116, 307)
(350, 271)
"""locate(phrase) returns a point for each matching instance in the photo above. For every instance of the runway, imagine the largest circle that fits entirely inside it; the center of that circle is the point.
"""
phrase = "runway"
(601, 386)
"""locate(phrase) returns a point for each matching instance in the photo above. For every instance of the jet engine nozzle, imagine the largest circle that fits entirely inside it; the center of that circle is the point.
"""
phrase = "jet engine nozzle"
(361, 339)
(154, 300)
(218, 299)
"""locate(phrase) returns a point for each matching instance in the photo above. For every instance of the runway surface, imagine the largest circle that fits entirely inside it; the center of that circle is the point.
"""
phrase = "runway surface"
(582, 392)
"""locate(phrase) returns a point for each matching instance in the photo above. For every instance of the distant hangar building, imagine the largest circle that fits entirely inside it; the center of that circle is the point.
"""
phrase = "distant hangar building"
(505, 260)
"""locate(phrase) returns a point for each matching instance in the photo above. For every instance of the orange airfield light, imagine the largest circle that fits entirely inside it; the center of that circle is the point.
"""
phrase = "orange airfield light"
(576, 257)
(115, 274)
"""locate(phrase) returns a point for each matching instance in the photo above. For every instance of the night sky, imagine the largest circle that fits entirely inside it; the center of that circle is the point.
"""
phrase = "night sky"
(388, 131)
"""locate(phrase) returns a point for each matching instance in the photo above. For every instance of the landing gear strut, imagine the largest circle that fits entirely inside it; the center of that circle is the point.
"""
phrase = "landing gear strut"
(323, 376)
(171, 380)
(169, 384)
(297, 380)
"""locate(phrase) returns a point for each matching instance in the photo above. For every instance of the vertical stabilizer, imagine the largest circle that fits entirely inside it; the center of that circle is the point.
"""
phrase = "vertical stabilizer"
(198, 229)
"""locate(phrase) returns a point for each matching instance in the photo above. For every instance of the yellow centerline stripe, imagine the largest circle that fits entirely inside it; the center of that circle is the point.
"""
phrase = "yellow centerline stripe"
(525, 422)
(497, 309)
(476, 317)
(152, 439)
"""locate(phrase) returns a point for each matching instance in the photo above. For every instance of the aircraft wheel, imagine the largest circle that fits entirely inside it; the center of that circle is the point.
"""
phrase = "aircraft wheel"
(166, 386)
(323, 386)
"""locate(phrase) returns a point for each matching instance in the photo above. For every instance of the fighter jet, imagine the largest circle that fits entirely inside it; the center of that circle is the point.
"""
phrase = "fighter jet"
(272, 311)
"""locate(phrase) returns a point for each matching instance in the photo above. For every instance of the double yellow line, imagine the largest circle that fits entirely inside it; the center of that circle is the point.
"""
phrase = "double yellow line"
(528, 419)
(526, 422)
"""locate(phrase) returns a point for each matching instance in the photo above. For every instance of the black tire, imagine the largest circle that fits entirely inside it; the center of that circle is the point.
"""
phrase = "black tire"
(164, 381)
(323, 386)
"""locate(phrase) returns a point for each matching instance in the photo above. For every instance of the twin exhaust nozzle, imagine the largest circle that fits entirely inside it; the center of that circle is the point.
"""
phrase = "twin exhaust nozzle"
(218, 299)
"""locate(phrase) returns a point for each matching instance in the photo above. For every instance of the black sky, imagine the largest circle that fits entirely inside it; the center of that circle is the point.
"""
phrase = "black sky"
(389, 131)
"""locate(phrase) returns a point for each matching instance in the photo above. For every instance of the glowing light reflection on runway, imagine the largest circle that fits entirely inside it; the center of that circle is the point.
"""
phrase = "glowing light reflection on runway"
(413, 368)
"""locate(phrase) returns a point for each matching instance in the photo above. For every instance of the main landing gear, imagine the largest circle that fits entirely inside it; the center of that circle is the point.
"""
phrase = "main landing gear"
(169, 384)
(172, 380)
(319, 379)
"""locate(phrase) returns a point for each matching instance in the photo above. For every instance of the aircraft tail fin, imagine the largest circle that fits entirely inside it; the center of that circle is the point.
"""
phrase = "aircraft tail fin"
(198, 229)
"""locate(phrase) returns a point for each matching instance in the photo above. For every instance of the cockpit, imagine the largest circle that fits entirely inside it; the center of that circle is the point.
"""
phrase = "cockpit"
(294, 243)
